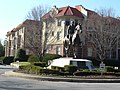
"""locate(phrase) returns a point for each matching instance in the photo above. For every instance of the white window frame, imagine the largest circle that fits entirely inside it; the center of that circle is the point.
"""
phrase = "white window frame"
(58, 50)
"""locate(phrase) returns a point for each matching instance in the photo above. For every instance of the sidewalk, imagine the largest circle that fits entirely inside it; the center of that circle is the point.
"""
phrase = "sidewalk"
(62, 79)
(5, 67)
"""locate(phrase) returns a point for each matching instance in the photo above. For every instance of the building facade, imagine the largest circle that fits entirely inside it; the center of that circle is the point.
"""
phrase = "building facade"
(18, 38)
(62, 18)
(55, 24)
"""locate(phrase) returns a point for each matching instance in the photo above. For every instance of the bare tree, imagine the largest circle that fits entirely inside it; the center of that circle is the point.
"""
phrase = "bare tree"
(39, 34)
(103, 32)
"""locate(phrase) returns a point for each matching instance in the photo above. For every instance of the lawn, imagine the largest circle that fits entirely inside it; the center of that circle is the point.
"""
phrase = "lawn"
(22, 63)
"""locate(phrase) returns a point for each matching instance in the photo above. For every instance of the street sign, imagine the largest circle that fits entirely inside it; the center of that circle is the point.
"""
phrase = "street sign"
(102, 67)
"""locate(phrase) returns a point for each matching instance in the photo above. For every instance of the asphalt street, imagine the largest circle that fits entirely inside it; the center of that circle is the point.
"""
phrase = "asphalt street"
(17, 83)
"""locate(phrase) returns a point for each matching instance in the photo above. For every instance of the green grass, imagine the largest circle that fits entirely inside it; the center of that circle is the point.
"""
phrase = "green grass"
(22, 63)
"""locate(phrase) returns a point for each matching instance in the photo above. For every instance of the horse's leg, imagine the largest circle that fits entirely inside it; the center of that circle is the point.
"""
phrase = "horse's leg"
(66, 53)
(74, 52)
(70, 39)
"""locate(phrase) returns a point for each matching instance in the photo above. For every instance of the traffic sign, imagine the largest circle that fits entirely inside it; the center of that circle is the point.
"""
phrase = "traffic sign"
(102, 67)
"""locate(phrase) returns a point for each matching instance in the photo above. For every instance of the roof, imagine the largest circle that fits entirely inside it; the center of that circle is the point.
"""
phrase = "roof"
(69, 11)
(65, 11)
(21, 25)
(65, 61)
(72, 59)
(90, 12)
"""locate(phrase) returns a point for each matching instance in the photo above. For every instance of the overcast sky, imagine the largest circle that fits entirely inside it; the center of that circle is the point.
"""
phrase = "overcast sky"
(13, 12)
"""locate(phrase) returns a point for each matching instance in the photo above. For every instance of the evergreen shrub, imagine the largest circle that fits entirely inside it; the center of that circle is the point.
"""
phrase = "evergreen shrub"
(20, 55)
(70, 68)
(31, 69)
(51, 56)
(8, 60)
(61, 69)
(41, 64)
(33, 58)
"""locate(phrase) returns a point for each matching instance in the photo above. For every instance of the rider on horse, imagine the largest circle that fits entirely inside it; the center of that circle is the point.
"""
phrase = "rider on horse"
(71, 30)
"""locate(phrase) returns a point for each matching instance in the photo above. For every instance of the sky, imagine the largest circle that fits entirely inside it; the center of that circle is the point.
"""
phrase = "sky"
(14, 12)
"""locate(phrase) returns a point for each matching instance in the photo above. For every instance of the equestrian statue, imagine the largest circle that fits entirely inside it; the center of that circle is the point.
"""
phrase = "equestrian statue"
(72, 41)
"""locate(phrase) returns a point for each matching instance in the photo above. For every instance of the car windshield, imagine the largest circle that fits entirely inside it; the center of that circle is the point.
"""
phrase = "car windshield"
(80, 64)
(92, 66)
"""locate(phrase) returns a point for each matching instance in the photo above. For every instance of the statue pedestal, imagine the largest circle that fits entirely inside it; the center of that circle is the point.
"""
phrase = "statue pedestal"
(77, 50)
(70, 51)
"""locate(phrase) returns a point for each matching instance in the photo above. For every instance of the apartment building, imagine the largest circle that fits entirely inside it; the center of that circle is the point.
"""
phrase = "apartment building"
(62, 18)
(18, 37)
(55, 24)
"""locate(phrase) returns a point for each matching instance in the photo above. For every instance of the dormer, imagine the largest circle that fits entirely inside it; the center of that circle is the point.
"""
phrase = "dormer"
(53, 11)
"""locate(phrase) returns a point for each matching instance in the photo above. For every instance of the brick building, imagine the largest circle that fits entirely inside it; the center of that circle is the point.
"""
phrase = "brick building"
(18, 37)
(57, 30)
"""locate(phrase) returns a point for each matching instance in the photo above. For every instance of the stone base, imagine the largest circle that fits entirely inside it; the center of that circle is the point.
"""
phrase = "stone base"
(77, 50)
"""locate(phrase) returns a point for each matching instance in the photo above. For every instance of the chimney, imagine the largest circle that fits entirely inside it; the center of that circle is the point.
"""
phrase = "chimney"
(55, 8)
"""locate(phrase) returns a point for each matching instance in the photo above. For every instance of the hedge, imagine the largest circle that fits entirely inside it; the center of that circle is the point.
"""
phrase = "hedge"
(88, 73)
(70, 68)
(31, 69)
(111, 69)
(61, 69)
(41, 64)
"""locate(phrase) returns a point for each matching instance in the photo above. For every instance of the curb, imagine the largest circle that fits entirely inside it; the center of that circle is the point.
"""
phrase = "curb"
(60, 79)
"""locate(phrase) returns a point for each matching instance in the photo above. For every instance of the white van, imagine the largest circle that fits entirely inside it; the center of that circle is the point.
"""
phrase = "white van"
(81, 63)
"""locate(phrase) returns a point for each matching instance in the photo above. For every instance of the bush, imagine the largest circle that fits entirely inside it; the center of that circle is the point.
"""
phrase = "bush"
(33, 58)
(88, 73)
(60, 69)
(41, 64)
(20, 55)
(51, 56)
(111, 69)
(31, 69)
(1, 59)
(115, 63)
(70, 68)
(8, 60)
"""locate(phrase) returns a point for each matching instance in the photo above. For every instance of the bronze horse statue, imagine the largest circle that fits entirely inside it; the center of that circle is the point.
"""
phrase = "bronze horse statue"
(75, 41)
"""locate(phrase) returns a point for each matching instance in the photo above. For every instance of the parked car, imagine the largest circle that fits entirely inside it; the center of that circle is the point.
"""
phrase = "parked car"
(80, 63)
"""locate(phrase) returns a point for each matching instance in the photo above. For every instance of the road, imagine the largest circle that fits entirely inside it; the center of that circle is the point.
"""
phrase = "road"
(16, 83)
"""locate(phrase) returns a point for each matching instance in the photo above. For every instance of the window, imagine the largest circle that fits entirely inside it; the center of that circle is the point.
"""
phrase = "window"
(76, 22)
(73, 63)
(113, 54)
(67, 23)
(52, 33)
(89, 52)
(58, 50)
(51, 47)
(80, 64)
(59, 23)
(58, 35)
